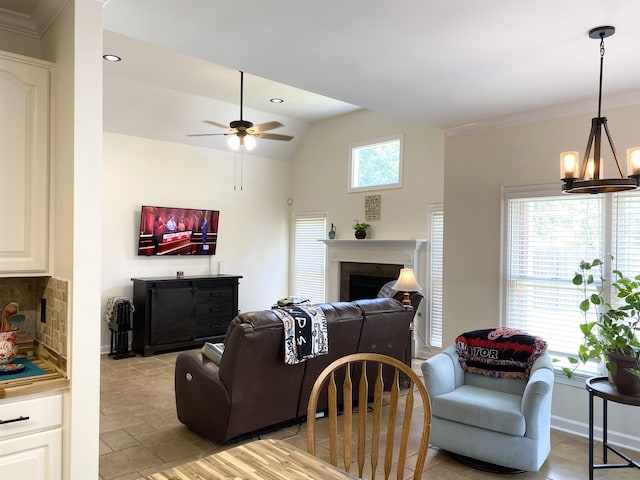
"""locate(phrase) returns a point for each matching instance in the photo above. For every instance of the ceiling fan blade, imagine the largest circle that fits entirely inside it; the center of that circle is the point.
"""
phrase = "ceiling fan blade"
(263, 127)
(274, 136)
(205, 134)
(216, 124)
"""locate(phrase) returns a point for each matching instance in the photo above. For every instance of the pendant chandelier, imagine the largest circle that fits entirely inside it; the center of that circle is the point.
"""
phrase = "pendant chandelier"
(585, 177)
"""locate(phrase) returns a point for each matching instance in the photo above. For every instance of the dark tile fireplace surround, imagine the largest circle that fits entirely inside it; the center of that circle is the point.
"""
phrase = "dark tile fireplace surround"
(360, 280)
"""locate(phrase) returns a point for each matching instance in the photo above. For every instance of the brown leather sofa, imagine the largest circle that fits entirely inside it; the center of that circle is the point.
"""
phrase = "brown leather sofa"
(253, 388)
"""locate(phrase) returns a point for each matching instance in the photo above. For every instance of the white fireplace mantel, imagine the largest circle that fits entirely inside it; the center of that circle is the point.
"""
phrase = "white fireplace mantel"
(400, 252)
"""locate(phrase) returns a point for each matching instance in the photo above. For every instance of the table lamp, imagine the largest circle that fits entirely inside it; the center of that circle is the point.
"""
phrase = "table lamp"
(406, 283)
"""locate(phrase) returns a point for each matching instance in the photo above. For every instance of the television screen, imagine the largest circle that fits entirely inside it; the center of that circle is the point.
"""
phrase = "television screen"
(177, 231)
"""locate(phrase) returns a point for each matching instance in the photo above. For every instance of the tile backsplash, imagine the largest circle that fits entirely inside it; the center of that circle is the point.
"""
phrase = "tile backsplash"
(53, 333)
(28, 292)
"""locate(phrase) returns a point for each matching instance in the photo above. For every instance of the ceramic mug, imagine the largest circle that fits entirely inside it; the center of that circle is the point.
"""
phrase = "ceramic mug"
(8, 346)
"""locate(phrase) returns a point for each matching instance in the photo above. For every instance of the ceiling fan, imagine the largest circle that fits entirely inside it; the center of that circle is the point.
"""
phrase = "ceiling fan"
(243, 132)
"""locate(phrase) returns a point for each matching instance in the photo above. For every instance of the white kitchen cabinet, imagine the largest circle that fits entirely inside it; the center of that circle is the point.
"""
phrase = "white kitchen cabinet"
(31, 438)
(25, 112)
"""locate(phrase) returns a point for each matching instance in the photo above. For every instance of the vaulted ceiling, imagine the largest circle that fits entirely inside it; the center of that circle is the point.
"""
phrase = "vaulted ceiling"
(451, 64)
(444, 63)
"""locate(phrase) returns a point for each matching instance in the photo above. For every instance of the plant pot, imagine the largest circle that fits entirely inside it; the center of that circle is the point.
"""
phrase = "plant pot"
(8, 346)
(360, 234)
(626, 383)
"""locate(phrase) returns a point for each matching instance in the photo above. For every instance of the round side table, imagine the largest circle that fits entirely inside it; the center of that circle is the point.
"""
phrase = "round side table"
(602, 388)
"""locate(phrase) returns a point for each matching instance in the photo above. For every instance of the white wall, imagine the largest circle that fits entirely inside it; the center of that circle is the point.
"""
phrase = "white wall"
(253, 238)
(476, 167)
(321, 172)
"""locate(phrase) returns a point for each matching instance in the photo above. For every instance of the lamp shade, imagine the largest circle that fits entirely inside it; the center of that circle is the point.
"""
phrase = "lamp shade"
(406, 281)
(633, 161)
(569, 165)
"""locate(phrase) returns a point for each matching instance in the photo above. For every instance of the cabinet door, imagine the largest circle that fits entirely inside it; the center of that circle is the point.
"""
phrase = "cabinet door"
(24, 163)
(214, 309)
(172, 314)
(37, 456)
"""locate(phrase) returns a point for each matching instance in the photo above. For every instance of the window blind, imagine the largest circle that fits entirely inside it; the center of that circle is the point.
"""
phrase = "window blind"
(626, 228)
(309, 257)
(436, 275)
(547, 237)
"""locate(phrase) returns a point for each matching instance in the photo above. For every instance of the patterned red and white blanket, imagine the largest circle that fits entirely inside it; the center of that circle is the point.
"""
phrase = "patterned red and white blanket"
(499, 352)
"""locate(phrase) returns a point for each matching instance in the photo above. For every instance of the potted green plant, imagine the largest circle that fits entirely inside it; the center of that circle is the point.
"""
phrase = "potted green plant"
(612, 335)
(361, 229)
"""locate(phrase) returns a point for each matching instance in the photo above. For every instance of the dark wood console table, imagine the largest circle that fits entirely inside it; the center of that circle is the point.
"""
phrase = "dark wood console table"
(600, 387)
(177, 313)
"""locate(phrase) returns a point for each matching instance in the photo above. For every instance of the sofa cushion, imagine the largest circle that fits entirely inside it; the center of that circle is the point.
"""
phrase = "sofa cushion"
(482, 408)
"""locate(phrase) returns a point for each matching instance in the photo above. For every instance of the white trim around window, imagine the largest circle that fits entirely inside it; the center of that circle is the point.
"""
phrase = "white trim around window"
(382, 175)
(545, 235)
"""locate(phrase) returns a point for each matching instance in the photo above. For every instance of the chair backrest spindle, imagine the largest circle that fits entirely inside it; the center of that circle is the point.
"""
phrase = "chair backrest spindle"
(378, 408)
(348, 417)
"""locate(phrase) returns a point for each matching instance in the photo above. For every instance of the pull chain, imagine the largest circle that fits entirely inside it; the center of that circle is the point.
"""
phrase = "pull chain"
(238, 171)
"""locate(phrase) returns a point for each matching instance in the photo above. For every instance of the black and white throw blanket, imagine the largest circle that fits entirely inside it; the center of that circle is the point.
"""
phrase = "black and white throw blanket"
(305, 332)
(499, 352)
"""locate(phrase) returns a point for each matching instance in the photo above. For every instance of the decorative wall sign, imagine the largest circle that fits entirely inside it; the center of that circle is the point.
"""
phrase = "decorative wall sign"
(372, 207)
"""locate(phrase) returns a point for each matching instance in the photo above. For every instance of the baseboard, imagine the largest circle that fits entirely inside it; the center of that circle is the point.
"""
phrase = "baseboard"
(582, 430)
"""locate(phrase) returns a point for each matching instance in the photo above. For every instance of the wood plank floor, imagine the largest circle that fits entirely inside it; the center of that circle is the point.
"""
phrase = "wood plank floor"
(140, 433)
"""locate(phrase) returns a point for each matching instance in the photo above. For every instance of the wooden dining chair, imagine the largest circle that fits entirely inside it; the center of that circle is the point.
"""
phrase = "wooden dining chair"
(388, 422)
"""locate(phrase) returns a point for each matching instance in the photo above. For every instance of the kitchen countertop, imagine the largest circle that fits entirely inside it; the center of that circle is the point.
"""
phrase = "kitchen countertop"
(52, 380)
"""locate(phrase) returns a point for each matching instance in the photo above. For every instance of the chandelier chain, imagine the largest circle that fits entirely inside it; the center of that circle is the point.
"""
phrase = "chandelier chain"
(601, 67)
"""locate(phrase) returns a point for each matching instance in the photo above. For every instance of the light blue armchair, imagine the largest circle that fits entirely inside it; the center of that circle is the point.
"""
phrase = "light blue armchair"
(502, 421)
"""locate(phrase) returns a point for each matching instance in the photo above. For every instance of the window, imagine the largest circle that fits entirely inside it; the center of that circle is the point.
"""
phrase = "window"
(545, 238)
(376, 165)
(436, 242)
(309, 257)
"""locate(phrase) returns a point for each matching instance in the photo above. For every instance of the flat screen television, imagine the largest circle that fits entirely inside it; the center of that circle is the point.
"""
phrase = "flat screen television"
(177, 231)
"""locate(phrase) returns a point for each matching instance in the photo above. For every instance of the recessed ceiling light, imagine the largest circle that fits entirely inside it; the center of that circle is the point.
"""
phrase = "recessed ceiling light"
(276, 100)
(111, 58)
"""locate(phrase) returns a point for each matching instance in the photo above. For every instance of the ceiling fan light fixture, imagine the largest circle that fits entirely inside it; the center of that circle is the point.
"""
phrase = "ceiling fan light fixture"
(249, 142)
(586, 177)
(234, 142)
(243, 133)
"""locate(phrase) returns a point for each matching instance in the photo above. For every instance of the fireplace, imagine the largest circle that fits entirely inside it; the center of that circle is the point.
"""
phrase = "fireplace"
(396, 253)
(360, 280)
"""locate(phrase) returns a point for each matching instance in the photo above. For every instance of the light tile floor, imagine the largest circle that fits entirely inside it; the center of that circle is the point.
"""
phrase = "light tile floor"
(140, 433)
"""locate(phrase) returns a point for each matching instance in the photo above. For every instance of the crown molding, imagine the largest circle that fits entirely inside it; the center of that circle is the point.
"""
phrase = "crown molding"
(45, 13)
(17, 23)
(548, 113)
(34, 25)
